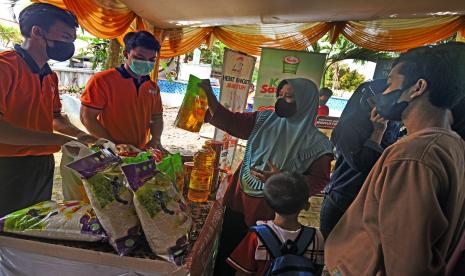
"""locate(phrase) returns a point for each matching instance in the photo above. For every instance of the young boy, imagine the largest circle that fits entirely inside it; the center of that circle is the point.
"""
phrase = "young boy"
(287, 194)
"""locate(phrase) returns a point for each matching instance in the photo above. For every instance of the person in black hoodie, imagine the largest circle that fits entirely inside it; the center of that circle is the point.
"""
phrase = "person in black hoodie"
(457, 49)
(359, 138)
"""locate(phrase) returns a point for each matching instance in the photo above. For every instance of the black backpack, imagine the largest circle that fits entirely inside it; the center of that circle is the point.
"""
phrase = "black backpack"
(287, 258)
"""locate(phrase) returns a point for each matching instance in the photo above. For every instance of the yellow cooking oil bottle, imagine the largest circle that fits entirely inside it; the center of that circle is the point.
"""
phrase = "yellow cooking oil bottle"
(202, 174)
(193, 108)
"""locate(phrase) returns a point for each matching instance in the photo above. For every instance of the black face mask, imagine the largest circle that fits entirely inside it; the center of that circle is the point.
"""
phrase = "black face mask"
(60, 51)
(388, 107)
(284, 109)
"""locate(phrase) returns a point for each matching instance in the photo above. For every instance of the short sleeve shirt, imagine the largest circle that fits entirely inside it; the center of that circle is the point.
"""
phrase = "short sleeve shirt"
(127, 106)
(251, 256)
(28, 98)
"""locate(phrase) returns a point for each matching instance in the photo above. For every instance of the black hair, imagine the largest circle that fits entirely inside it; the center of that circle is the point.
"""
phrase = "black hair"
(142, 39)
(286, 193)
(44, 16)
(325, 91)
(440, 67)
(280, 86)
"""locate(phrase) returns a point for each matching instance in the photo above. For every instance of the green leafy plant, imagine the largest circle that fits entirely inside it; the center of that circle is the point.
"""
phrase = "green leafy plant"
(97, 50)
(165, 67)
(213, 55)
(10, 36)
(341, 77)
(72, 89)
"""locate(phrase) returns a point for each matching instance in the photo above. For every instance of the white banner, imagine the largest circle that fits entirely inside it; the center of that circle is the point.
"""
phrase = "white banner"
(237, 75)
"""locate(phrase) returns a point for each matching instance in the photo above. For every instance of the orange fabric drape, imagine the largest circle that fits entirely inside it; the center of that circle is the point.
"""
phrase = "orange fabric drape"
(113, 19)
(250, 39)
(176, 42)
(336, 30)
(180, 41)
(104, 19)
(402, 34)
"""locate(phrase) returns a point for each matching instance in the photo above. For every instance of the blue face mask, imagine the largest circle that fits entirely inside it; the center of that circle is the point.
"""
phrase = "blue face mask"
(141, 67)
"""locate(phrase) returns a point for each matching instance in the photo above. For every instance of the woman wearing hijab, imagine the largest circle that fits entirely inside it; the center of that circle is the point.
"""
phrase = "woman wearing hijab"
(360, 137)
(282, 140)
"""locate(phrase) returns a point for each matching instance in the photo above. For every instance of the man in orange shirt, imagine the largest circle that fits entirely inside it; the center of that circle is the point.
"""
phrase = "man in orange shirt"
(30, 109)
(122, 104)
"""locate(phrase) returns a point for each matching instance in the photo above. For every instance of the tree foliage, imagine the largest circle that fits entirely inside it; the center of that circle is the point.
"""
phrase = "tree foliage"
(97, 51)
(9, 36)
(341, 77)
(213, 55)
(345, 78)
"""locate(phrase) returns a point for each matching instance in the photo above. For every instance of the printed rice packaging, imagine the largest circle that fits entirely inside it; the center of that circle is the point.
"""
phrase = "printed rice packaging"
(164, 215)
(105, 186)
(71, 220)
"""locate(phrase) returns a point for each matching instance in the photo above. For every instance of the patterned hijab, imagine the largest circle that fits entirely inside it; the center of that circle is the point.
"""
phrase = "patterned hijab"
(291, 144)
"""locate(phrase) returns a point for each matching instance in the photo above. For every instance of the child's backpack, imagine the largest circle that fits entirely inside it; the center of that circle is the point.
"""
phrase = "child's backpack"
(288, 257)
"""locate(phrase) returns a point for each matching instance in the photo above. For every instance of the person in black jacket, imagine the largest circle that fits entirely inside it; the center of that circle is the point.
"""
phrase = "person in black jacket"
(359, 138)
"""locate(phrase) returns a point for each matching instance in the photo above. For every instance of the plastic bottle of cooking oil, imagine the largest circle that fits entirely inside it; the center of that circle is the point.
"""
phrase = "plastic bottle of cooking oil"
(202, 175)
(194, 106)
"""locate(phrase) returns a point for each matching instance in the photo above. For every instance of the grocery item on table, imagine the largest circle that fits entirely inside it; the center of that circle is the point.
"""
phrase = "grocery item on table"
(188, 166)
(140, 157)
(161, 209)
(110, 198)
(71, 220)
(217, 146)
(71, 180)
(157, 154)
(193, 108)
(171, 165)
(202, 175)
(127, 150)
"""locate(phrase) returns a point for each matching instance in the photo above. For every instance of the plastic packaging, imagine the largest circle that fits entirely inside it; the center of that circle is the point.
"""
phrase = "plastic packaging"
(202, 175)
(172, 166)
(188, 166)
(217, 146)
(71, 220)
(73, 189)
(194, 106)
(110, 198)
(161, 209)
(71, 180)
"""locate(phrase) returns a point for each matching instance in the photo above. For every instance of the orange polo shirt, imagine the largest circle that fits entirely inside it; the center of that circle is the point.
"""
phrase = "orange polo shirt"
(28, 98)
(127, 106)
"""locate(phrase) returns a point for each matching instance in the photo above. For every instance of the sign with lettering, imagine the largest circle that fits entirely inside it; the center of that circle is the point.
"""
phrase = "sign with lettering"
(237, 75)
(278, 64)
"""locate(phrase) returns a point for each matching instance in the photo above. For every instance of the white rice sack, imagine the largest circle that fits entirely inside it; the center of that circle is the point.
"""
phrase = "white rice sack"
(164, 215)
(71, 220)
(110, 198)
(73, 189)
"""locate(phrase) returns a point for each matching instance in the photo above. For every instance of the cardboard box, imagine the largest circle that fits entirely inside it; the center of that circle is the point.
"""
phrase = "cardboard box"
(200, 260)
